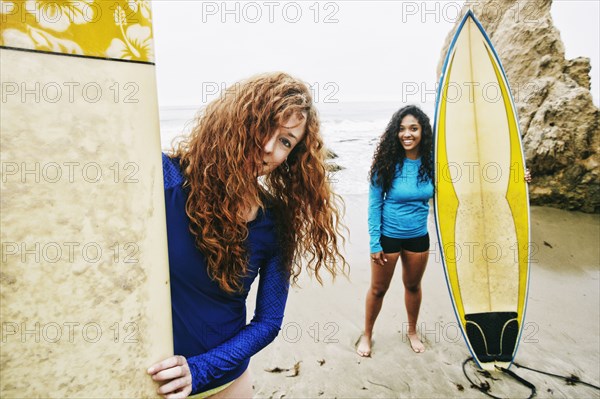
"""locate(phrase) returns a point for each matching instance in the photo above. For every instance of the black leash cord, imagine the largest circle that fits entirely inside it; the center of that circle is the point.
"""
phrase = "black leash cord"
(486, 387)
(520, 379)
(570, 380)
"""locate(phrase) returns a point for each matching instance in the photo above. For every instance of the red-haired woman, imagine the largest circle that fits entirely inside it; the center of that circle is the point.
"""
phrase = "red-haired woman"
(246, 193)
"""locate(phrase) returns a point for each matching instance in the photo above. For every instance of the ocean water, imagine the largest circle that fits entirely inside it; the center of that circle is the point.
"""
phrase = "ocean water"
(350, 129)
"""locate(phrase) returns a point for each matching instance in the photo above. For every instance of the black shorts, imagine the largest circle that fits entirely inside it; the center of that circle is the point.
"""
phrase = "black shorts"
(393, 245)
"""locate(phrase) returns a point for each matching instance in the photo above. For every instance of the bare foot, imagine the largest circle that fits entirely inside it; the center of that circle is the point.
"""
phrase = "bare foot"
(415, 343)
(363, 346)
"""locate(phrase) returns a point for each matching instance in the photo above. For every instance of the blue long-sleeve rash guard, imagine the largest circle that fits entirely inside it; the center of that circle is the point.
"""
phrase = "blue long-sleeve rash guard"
(209, 325)
(402, 211)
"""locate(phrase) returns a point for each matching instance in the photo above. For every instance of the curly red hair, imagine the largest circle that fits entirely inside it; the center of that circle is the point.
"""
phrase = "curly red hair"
(221, 160)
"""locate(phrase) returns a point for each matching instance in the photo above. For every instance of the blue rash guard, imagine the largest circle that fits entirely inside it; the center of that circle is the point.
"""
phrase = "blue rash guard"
(402, 211)
(209, 325)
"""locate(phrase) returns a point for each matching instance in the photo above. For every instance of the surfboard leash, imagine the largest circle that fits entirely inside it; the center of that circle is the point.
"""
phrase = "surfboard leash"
(485, 386)
(570, 380)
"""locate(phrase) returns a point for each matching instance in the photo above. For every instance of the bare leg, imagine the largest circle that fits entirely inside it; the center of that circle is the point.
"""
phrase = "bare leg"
(380, 282)
(413, 267)
(241, 388)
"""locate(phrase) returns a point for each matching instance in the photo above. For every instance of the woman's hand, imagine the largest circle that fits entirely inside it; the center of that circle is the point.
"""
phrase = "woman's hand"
(378, 258)
(174, 375)
(527, 175)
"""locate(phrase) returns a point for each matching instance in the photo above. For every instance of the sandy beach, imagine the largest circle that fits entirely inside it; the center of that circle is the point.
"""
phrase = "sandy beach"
(322, 324)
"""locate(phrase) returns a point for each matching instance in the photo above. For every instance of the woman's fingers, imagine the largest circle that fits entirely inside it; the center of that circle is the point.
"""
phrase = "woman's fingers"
(176, 372)
(176, 385)
(378, 258)
(169, 374)
(184, 393)
(166, 364)
(527, 175)
(375, 257)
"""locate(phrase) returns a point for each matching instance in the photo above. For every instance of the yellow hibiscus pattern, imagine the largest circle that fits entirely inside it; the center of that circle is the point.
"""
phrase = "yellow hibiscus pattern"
(116, 29)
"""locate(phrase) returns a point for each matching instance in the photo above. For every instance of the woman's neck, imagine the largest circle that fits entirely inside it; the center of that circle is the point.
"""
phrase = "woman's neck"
(413, 154)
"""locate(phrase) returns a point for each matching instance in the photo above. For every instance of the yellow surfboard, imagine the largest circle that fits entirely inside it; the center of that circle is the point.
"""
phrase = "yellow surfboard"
(481, 199)
(84, 280)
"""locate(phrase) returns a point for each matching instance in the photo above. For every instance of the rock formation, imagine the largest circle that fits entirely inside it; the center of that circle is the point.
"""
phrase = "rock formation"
(559, 122)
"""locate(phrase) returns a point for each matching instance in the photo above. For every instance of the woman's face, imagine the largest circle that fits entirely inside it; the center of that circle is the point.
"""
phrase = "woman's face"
(282, 142)
(410, 135)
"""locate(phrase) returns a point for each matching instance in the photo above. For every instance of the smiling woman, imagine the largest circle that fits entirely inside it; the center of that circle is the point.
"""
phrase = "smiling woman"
(225, 228)
(401, 178)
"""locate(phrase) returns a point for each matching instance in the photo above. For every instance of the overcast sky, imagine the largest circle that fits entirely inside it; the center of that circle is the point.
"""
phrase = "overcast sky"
(347, 50)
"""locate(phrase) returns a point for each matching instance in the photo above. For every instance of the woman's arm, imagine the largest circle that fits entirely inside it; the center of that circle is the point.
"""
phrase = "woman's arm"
(375, 211)
(262, 330)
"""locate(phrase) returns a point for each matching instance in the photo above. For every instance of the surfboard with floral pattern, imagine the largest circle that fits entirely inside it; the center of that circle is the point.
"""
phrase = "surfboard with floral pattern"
(84, 282)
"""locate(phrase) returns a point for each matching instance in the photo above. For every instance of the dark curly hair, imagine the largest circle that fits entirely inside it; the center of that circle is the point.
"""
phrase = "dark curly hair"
(389, 151)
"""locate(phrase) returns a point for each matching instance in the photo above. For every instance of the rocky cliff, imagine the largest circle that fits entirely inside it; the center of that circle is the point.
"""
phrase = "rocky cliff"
(559, 122)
